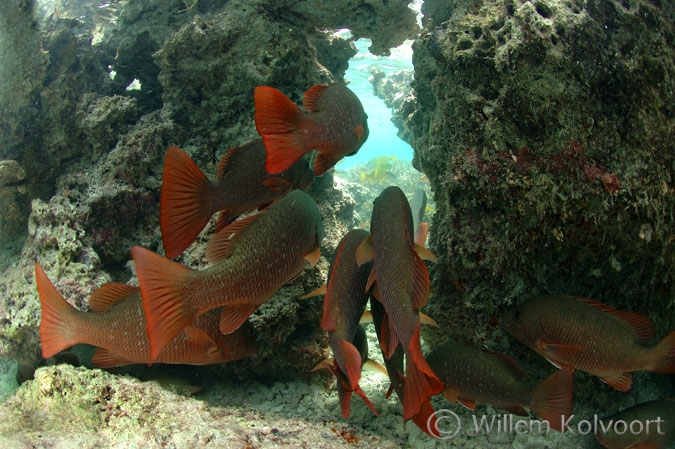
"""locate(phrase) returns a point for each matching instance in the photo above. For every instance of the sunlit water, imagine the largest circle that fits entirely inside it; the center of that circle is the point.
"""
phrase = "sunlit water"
(382, 140)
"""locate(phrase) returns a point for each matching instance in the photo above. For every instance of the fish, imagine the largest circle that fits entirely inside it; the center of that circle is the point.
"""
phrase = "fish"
(116, 325)
(590, 336)
(654, 428)
(425, 419)
(249, 261)
(345, 386)
(402, 285)
(189, 198)
(418, 205)
(473, 374)
(335, 125)
(344, 303)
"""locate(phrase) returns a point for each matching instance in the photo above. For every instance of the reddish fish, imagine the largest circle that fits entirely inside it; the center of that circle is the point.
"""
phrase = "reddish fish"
(345, 300)
(418, 205)
(592, 337)
(189, 198)
(471, 374)
(251, 259)
(118, 329)
(425, 419)
(335, 126)
(345, 386)
(653, 427)
(403, 288)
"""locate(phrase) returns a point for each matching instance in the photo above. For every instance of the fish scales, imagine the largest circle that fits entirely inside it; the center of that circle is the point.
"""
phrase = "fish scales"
(478, 375)
(590, 336)
(402, 280)
(472, 374)
(335, 125)
(656, 429)
(120, 333)
(394, 260)
(189, 198)
(252, 258)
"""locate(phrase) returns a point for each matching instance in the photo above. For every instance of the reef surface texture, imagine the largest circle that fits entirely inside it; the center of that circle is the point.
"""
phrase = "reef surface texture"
(545, 129)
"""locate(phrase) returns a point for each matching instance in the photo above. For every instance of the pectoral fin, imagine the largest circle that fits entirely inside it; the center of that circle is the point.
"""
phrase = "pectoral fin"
(313, 257)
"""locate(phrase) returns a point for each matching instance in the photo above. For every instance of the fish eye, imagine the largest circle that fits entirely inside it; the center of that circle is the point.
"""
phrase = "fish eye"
(516, 314)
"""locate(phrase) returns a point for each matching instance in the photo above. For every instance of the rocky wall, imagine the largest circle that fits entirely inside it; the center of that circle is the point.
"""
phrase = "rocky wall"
(117, 84)
(546, 130)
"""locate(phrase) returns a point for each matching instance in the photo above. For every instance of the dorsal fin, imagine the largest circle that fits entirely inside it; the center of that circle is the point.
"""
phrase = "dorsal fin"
(110, 294)
(642, 325)
(225, 162)
(310, 99)
(225, 218)
(329, 318)
(221, 245)
(421, 284)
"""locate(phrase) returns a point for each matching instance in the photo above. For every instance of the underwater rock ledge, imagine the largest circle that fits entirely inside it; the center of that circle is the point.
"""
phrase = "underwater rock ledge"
(546, 131)
(93, 149)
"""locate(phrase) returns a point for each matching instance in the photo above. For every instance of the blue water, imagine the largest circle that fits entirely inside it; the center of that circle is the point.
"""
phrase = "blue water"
(382, 139)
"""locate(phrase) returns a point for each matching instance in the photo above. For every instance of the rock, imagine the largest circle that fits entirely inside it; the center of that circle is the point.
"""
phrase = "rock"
(92, 408)
(397, 92)
(98, 148)
(544, 130)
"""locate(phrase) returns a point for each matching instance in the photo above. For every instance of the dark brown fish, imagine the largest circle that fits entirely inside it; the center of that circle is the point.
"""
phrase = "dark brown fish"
(345, 386)
(425, 419)
(251, 259)
(592, 337)
(653, 427)
(118, 328)
(345, 300)
(336, 126)
(189, 198)
(471, 374)
(403, 288)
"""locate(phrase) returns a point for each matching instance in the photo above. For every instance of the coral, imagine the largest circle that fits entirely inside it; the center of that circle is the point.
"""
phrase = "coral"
(545, 129)
(92, 408)
(366, 181)
(397, 92)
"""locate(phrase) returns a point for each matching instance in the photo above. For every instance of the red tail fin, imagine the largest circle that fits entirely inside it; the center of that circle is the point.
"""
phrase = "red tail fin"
(420, 381)
(278, 120)
(184, 208)
(666, 361)
(426, 420)
(351, 363)
(161, 282)
(363, 396)
(553, 397)
(57, 317)
(345, 395)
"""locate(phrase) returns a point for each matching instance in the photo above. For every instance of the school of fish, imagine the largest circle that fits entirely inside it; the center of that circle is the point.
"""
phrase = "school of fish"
(182, 315)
